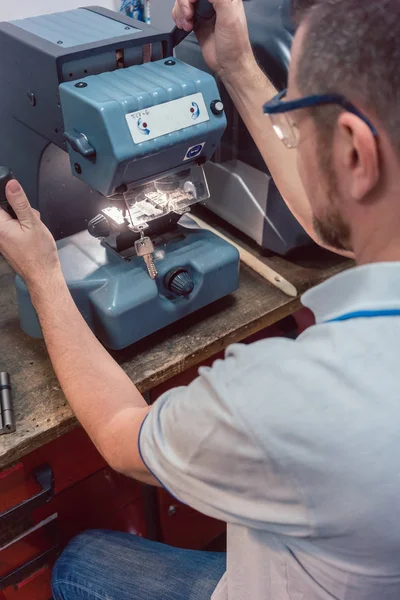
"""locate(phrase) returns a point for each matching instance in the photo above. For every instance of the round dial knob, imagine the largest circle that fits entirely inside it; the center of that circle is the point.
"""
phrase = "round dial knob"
(217, 107)
(99, 226)
(179, 282)
(6, 175)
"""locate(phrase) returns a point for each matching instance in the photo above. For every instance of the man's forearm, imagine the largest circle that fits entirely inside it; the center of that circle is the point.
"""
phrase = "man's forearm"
(249, 89)
(99, 392)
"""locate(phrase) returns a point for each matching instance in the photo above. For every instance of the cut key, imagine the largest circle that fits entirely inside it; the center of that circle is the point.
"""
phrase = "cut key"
(145, 248)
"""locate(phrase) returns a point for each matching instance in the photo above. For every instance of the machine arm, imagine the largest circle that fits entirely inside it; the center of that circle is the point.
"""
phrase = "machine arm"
(204, 12)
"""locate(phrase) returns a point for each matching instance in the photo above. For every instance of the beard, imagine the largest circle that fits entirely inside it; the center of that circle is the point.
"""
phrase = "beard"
(333, 231)
(331, 228)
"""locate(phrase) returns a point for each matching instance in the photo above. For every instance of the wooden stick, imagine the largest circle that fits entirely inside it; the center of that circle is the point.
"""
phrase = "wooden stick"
(253, 262)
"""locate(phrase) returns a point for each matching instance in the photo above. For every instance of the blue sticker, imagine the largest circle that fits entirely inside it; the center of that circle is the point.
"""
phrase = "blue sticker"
(142, 126)
(133, 8)
(195, 110)
(194, 151)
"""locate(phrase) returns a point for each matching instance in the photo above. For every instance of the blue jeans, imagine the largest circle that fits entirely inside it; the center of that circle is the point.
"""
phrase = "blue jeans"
(107, 565)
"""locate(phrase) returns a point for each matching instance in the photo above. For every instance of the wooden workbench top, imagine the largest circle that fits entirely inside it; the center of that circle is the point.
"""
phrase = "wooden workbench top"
(41, 409)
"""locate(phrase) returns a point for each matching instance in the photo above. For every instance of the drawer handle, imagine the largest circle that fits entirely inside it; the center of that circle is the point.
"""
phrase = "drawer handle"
(17, 576)
(45, 478)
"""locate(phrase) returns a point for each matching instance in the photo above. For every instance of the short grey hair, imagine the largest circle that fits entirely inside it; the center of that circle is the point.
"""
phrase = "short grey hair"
(352, 47)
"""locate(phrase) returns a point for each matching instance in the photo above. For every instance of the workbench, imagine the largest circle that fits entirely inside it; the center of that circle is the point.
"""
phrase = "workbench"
(47, 431)
(41, 409)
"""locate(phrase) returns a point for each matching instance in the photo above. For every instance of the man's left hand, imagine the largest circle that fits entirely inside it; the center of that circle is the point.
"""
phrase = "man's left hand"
(25, 242)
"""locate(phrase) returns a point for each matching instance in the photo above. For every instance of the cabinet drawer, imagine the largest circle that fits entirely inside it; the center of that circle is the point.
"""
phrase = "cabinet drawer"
(104, 501)
(130, 518)
(25, 563)
(28, 546)
(72, 458)
(35, 587)
(91, 504)
(184, 527)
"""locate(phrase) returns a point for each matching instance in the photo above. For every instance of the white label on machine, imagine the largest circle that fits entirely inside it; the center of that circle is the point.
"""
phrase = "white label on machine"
(153, 122)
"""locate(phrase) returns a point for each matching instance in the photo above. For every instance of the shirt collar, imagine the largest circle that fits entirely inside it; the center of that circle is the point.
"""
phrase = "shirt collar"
(369, 287)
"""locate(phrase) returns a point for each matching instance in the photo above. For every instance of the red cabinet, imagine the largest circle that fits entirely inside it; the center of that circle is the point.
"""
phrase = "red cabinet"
(71, 457)
(85, 494)
(183, 527)
(35, 587)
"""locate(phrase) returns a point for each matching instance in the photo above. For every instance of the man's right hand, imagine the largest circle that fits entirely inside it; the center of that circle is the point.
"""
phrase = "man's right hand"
(25, 242)
(224, 41)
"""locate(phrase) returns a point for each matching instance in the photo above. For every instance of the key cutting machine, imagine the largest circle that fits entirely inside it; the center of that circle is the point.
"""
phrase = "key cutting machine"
(108, 134)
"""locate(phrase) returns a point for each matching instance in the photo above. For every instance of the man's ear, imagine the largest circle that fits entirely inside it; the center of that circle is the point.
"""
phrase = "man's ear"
(359, 155)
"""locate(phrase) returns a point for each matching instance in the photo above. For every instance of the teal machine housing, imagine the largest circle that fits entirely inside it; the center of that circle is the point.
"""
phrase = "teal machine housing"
(101, 108)
(99, 117)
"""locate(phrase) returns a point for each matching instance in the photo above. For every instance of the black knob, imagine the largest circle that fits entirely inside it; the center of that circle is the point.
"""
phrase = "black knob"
(217, 107)
(80, 144)
(179, 282)
(6, 175)
(99, 227)
(204, 11)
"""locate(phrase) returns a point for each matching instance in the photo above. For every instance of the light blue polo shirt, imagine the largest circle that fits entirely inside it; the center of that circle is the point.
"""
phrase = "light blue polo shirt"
(296, 445)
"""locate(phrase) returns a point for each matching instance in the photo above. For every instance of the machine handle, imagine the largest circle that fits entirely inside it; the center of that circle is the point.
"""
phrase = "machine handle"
(6, 175)
(79, 143)
(204, 11)
(45, 478)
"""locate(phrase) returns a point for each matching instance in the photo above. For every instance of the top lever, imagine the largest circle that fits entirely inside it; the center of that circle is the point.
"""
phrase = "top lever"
(204, 11)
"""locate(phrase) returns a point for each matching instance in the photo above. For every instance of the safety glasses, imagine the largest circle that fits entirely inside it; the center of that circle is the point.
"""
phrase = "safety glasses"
(286, 130)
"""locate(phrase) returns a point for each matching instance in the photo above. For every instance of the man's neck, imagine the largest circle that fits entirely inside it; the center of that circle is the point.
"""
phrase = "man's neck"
(378, 242)
(390, 253)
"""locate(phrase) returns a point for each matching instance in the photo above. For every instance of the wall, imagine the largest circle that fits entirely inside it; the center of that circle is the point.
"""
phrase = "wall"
(161, 14)
(17, 9)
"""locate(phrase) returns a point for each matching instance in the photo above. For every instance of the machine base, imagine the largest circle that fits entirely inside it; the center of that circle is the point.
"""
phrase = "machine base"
(119, 301)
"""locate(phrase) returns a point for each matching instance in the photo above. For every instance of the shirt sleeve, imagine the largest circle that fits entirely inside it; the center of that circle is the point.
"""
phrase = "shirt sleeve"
(196, 443)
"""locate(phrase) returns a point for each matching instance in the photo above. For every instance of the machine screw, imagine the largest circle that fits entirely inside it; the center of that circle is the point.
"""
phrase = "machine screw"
(128, 28)
(32, 98)
(171, 510)
(78, 168)
(122, 189)
(170, 63)
(81, 84)
(60, 42)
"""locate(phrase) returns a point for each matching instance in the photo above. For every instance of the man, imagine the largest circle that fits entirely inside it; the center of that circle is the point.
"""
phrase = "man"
(294, 443)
